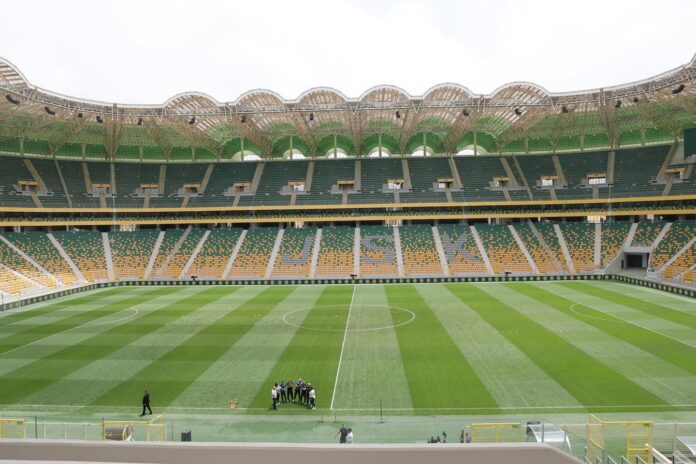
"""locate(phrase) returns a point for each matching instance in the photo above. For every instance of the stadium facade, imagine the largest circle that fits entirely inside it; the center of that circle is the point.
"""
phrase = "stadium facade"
(450, 184)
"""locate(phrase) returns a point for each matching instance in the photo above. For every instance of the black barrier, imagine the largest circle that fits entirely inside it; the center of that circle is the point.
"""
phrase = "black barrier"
(390, 280)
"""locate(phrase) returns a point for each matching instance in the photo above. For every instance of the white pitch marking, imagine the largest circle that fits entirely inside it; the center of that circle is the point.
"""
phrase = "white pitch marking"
(86, 324)
(621, 319)
(343, 345)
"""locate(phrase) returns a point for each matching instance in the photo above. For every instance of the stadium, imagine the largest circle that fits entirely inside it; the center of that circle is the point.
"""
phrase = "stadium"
(507, 268)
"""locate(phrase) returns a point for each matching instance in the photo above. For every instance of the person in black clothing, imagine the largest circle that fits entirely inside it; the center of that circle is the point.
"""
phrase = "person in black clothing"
(343, 432)
(289, 392)
(146, 403)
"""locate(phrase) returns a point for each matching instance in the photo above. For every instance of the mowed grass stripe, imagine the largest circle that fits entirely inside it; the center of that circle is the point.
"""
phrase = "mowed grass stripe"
(29, 313)
(178, 368)
(658, 345)
(368, 351)
(590, 381)
(21, 335)
(313, 354)
(41, 373)
(511, 377)
(438, 375)
(646, 307)
(243, 369)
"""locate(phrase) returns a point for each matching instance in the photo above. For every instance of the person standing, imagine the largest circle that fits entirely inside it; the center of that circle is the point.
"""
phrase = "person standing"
(146, 403)
(349, 437)
(274, 396)
(288, 391)
(312, 397)
(282, 392)
(343, 432)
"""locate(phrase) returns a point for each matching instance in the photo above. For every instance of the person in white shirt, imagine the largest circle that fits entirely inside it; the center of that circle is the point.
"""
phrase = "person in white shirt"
(349, 437)
(274, 396)
(312, 398)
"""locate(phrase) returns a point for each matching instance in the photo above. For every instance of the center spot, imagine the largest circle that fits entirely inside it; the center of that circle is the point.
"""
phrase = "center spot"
(363, 318)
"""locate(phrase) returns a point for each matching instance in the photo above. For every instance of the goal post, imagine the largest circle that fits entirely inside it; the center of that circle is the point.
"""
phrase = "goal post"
(496, 432)
(148, 430)
(629, 438)
(13, 428)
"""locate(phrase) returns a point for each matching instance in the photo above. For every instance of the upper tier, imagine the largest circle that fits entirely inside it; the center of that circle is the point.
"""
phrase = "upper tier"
(629, 173)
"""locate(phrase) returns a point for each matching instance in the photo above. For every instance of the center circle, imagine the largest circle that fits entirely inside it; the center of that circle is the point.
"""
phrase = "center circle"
(410, 316)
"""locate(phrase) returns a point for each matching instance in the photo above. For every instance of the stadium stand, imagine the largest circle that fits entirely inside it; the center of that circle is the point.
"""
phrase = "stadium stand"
(171, 238)
(294, 258)
(215, 253)
(580, 240)
(181, 255)
(16, 262)
(327, 173)
(276, 175)
(131, 252)
(252, 260)
(86, 249)
(13, 283)
(37, 246)
(502, 250)
(613, 237)
(375, 176)
(683, 262)
(419, 251)
(462, 254)
(548, 234)
(337, 255)
(476, 173)
(672, 242)
(424, 172)
(646, 233)
(377, 252)
(541, 257)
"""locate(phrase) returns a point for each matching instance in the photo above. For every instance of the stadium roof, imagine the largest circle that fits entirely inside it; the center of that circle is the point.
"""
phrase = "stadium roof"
(516, 117)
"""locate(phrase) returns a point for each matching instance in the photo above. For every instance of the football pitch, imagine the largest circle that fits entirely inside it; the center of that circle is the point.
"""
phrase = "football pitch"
(421, 349)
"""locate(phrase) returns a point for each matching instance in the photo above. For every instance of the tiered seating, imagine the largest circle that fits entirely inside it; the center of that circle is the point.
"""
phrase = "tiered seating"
(86, 249)
(171, 236)
(425, 171)
(13, 170)
(682, 263)
(419, 251)
(75, 181)
(375, 173)
(673, 241)
(14, 261)
(336, 256)
(39, 248)
(223, 177)
(635, 167)
(253, 256)
(580, 239)
(49, 174)
(275, 176)
(646, 233)
(131, 252)
(502, 250)
(463, 259)
(576, 167)
(294, 258)
(377, 252)
(13, 284)
(183, 254)
(613, 237)
(475, 173)
(690, 276)
(535, 249)
(129, 178)
(215, 253)
(548, 233)
(326, 174)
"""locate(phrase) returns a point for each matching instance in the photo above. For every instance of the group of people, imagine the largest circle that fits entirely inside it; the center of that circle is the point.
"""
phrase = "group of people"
(464, 437)
(302, 393)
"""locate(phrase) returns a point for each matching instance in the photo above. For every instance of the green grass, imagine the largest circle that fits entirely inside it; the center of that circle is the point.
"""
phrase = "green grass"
(454, 349)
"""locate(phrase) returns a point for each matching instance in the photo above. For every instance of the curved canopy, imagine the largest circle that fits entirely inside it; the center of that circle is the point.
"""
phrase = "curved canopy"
(38, 121)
